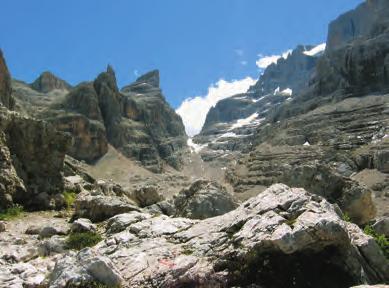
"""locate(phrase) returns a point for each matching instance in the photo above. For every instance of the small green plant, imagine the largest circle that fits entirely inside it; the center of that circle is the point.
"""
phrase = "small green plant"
(11, 213)
(346, 217)
(80, 240)
(92, 284)
(187, 251)
(69, 198)
(381, 240)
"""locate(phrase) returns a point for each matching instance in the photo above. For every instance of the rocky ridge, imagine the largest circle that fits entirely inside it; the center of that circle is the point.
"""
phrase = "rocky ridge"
(137, 120)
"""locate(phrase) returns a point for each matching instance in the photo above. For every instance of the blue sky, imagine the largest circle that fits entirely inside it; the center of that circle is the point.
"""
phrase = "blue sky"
(194, 43)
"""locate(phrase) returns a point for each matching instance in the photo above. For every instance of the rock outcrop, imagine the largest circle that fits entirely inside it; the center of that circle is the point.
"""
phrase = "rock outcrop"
(281, 236)
(47, 82)
(6, 98)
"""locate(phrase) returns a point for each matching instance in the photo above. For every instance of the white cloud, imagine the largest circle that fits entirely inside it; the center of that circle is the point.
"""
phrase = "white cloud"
(243, 63)
(264, 61)
(193, 111)
(136, 73)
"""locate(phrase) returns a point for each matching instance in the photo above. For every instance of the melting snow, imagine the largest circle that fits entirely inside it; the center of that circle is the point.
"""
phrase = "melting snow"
(227, 135)
(316, 51)
(287, 92)
(259, 99)
(306, 144)
(244, 122)
(196, 148)
(276, 91)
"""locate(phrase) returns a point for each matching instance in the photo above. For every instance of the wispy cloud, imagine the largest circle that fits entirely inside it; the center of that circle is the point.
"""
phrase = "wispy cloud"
(136, 73)
(243, 63)
(264, 61)
(193, 111)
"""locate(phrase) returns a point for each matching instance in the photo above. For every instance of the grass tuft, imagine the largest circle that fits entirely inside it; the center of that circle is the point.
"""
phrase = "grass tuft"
(381, 240)
(11, 213)
(80, 240)
(69, 198)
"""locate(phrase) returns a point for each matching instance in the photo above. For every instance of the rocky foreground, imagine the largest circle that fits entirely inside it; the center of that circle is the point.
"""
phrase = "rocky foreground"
(284, 237)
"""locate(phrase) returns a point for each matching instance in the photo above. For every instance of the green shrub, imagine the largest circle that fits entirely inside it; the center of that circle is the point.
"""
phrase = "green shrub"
(69, 198)
(80, 240)
(381, 240)
(12, 212)
(346, 217)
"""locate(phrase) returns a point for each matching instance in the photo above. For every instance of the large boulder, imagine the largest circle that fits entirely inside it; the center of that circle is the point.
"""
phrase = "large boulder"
(147, 195)
(84, 270)
(99, 208)
(203, 199)
(279, 237)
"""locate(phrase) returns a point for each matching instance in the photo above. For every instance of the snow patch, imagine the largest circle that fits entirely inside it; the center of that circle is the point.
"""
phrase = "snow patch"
(287, 92)
(196, 148)
(244, 122)
(264, 61)
(316, 51)
(307, 144)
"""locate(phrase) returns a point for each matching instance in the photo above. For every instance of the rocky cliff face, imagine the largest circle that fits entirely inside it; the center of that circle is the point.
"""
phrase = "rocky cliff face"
(137, 120)
(32, 154)
(344, 112)
(147, 112)
(5, 85)
(231, 123)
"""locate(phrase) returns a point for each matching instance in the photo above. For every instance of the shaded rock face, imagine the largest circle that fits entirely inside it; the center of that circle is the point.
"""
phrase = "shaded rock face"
(32, 154)
(356, 58)
(279, 237)
(5, 85)
(47, 82)
(369, 18)
(38, 152)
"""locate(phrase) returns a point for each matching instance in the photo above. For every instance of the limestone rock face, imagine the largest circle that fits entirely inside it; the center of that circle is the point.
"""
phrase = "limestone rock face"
(47, 82)
(369, 18)
(314, 168)
(153, 130)
(38, 152)
(271, 240)
(6, 98)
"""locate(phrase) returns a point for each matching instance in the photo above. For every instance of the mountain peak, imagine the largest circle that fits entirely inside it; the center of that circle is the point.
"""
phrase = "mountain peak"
(151, 78)
(47, 82)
